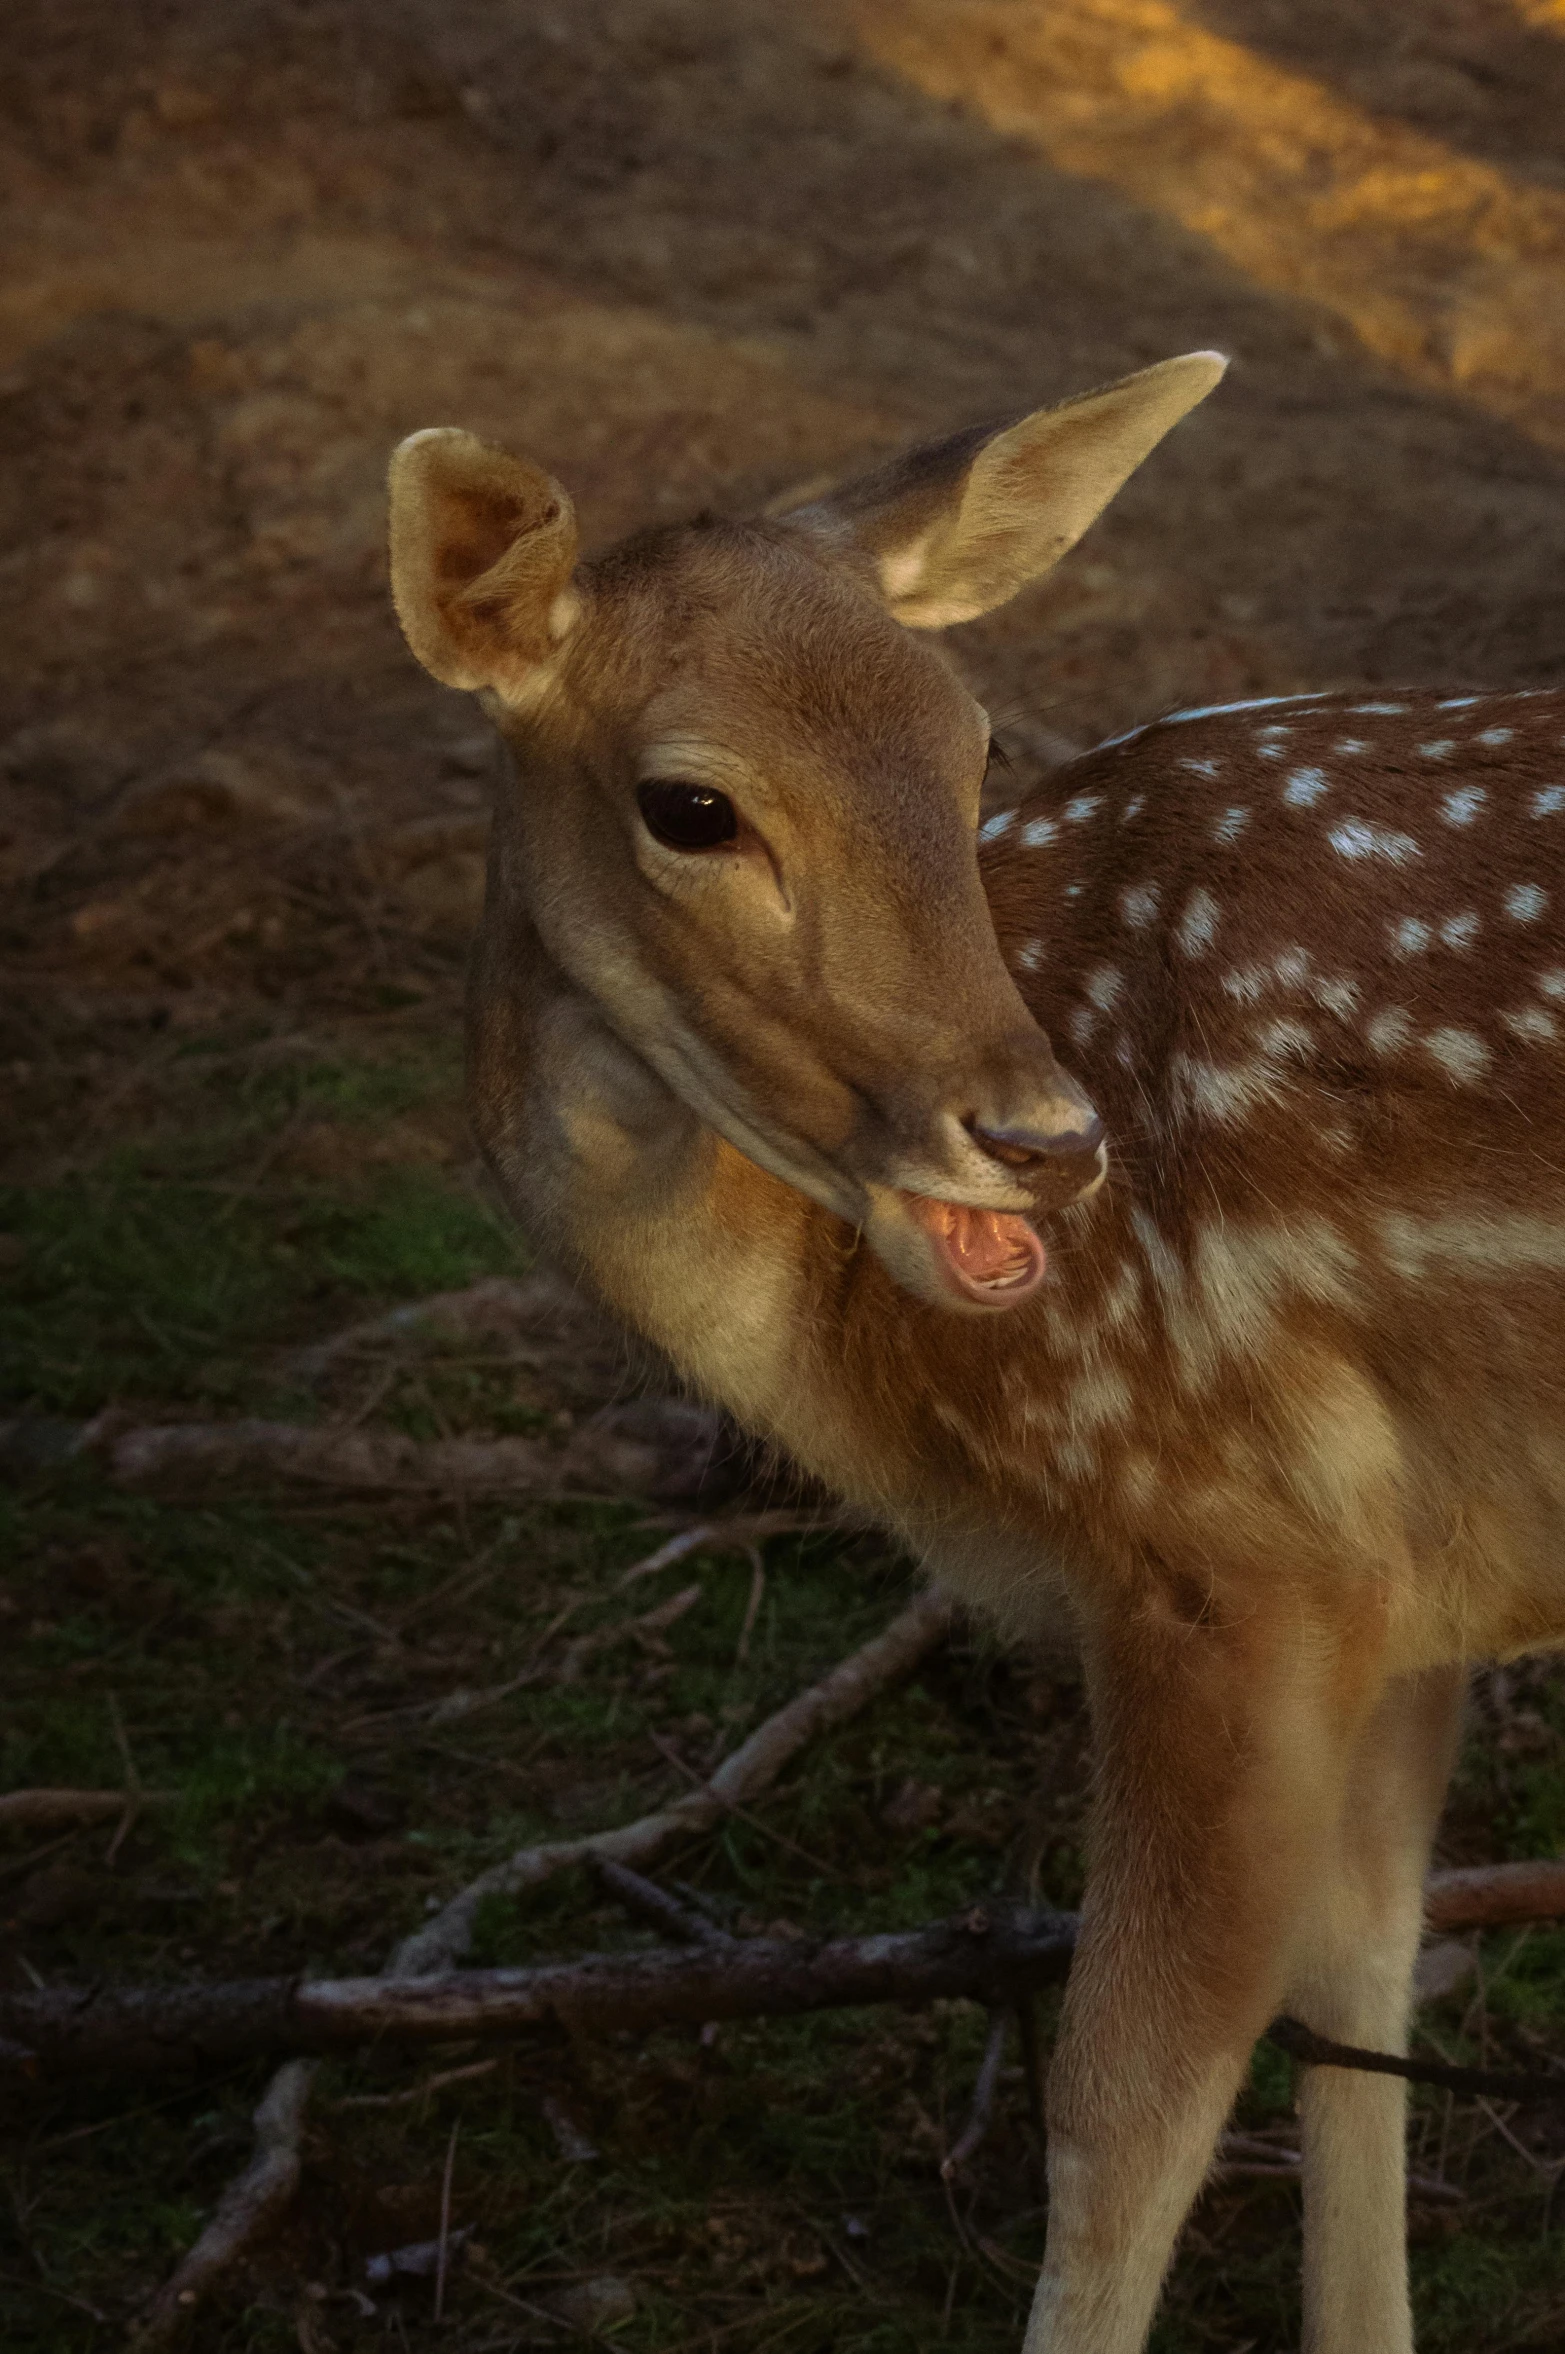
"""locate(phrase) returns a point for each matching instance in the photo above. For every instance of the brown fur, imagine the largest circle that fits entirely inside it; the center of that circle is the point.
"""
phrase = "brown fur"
(1282, 1425)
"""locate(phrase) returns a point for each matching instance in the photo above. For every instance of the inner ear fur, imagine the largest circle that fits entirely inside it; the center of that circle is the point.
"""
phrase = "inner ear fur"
(957, 527)
(482, 550)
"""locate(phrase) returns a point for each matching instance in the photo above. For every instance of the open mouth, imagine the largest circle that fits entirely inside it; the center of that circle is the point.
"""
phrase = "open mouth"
(991, 1257)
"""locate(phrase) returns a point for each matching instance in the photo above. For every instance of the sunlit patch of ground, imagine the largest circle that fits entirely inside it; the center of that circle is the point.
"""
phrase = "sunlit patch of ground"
(1450, 269)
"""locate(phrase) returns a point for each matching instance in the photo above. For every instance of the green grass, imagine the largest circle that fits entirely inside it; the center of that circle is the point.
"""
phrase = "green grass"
(168, 1268)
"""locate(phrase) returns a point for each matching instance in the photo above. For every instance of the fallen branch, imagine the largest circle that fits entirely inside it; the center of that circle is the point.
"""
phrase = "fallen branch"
(658, 1447)
(993, 1956)
(149, 2031)
(753, 1766)
(51, 1810)
(539, 1322)
(1488, 1896)
(248, 2207)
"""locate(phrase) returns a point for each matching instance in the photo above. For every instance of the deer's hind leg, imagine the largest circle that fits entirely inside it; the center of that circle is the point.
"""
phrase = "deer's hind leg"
(1351, 1978)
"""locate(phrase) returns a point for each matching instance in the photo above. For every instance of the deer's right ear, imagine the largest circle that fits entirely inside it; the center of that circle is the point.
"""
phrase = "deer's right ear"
(482, 550)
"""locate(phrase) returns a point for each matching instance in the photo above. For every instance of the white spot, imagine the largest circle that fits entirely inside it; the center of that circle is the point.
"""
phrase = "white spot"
(1276, 729)
(1440, 750)
(1410, 936)
(1247, 982)
(1356, 838)
(1351, 746)
(1305, 787)
(1122, 1050)
(1138, 905)
(1198, 924)
(1551, 985)
(1525, 902)
(1230, 825)
(1121, 1303)
(1389, 1030)
(1076, 1459)
(1461, 1052)
(1030, 957)
(1202, 767)
(1459, 703)
(1082, 807)
(1461, 807)
(1485, 1243)
(993, 827)
(1132, 809)
(1073, 890)
(1493, 735)
(1338, 997)
(1292, 967)
(1099, 1398)
(1378, 710)
(1460, 931)
(1104, 987)
(1081, 1024)
(1038, 833)
(1282, 1038)
(1532, 1024)
(1550, 800)
(1212, 1093)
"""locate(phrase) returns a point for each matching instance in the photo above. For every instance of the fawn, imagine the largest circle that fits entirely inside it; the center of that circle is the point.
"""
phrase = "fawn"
(1239, 1325)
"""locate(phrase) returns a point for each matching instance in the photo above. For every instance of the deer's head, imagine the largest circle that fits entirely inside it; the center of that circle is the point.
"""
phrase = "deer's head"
(745, 810)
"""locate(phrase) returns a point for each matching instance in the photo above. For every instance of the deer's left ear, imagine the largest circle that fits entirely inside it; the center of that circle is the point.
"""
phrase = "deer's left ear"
(958, 526)
(482, 550)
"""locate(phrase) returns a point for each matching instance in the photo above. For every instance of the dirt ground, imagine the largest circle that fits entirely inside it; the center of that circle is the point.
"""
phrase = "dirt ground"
(686, 252)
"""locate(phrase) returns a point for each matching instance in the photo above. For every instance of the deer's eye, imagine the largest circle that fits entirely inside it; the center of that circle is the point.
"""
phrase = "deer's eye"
(688, 817)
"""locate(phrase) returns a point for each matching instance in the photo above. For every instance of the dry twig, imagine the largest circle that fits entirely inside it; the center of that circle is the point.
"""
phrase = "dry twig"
(738, 1529)
(753, 1766)
(247, 2209)
(443, 2244)
(653, 1623)
(651, 1903)
(981, 2115)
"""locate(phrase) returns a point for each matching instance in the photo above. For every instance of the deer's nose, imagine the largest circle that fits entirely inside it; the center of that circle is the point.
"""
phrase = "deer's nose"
(1021, 1147)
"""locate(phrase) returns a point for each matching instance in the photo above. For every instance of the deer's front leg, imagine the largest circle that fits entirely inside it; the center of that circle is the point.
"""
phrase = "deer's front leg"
(1223, 1740)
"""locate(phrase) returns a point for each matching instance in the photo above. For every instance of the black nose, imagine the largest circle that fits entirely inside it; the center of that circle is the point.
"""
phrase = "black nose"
(1018, 1148)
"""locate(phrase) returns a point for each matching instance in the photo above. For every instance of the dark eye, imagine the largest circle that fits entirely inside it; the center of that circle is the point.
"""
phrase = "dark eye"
(688, 817)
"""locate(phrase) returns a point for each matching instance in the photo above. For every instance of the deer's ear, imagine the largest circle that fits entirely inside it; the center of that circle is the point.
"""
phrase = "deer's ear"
(482, 550)
(959, 526)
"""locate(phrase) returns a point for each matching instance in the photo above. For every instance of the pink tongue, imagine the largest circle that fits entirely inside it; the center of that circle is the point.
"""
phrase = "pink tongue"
(992, 1248)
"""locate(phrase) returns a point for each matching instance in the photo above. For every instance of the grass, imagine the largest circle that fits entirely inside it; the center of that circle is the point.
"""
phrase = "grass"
(171, 1267)
(278, 1664)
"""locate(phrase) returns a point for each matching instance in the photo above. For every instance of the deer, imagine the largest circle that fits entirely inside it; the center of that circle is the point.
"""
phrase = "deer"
(1143, 1201)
